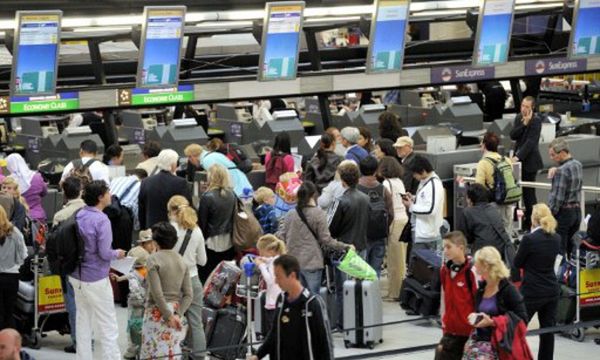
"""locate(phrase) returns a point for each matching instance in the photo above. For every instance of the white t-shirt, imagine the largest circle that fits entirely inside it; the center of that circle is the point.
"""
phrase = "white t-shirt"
(195, 253)
(98, 170)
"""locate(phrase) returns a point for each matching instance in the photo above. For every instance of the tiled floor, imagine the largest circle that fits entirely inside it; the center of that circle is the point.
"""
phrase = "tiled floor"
(404, 335)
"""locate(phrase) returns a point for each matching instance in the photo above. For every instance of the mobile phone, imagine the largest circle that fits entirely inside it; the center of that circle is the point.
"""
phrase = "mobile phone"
(475, 318)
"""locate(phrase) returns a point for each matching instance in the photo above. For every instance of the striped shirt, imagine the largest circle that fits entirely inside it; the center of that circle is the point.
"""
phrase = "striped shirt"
(566, 185)
(127, 189)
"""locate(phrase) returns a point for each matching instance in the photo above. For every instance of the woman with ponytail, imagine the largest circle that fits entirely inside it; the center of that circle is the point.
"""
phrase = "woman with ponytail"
(190, 245)
(540, 289)
(305, 232)
(322, 167)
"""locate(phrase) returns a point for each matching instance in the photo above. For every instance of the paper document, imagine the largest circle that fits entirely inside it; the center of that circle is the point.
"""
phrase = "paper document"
(123, 265)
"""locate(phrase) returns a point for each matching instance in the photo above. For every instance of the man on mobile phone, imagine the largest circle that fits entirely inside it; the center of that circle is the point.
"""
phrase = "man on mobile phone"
(526, 132)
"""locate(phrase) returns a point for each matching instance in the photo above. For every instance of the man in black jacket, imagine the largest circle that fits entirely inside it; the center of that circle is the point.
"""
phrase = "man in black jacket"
(157, 190)
(300, 330)
(349, 224)
(526, 132)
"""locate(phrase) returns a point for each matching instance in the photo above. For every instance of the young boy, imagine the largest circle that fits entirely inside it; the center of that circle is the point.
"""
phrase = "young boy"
(137, 291)
(459, 286)
(265, 210)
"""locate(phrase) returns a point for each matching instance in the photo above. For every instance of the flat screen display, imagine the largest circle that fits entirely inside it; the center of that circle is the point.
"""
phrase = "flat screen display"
(585, 32)
(35, 53)
(388, 36)
(160, 49)
(281, 41)
(494, 30)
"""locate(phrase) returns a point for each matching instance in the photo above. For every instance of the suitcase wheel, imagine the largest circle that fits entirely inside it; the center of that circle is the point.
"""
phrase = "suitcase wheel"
(346, 344)
(578, 334)
(371, 345)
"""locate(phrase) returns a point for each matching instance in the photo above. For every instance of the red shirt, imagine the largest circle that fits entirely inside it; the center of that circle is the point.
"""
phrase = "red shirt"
(459, 300)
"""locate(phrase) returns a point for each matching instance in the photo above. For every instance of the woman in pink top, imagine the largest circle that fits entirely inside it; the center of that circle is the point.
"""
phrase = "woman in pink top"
(279, 161)
(31, 185)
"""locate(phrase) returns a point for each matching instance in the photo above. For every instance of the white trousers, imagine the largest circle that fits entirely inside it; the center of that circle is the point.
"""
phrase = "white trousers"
(96, 314)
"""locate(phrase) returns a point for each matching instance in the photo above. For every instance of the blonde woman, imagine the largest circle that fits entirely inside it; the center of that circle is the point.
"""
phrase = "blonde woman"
(495, 297)
(20, 208)
(536, 256)
(216, 219)
(12, 255)
(190, 244)
(205, 159)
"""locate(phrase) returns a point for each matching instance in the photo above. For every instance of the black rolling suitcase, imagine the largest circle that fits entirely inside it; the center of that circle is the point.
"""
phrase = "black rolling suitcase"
(425, 265)
(209, 316)
(229, 330)
(419, 298)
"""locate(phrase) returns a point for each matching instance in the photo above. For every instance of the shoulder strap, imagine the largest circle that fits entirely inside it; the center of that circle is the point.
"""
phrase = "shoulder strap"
(128, 190)
(303, 218)
(186, 241)
(89, 163)
(468, 272)
(154, 171)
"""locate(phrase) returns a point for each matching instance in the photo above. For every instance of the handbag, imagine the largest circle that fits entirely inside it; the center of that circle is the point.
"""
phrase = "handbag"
(479, 350)
(246, 228)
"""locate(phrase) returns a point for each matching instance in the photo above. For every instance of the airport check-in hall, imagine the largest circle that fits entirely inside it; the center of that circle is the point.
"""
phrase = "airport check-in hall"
(318, 179)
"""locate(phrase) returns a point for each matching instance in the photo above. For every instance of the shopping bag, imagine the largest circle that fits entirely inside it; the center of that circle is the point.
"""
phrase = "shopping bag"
(353, 265)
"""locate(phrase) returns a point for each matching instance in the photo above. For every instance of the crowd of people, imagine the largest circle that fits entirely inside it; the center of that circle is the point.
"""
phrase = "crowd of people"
(381, 199)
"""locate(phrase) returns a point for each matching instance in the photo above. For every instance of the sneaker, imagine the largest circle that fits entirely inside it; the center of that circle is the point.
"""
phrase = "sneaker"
(71, 349)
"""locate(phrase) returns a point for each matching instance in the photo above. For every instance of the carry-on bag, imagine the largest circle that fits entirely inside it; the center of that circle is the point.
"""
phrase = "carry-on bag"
(229, 330)
(362, 307)
(221, 283)
(209, 316)
(419, 298)
(425, 265)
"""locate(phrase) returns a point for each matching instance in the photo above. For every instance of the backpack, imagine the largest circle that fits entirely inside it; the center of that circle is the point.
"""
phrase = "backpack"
(82, 170)
(506, 190)
(65, 246)
(237, 155)
(378, 227)
(274, 169)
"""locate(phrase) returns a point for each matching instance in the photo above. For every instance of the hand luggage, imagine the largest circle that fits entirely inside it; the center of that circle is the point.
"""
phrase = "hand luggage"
(209, 316)
(229, 330)
(419, 298)
(362, 307)
(26, 297)
(565, 313)
(221, 283)
(327, 293)
(425, 265)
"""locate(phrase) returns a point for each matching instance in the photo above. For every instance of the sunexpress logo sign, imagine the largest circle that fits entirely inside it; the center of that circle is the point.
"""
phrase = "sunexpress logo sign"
(461, 74)
(554, 66)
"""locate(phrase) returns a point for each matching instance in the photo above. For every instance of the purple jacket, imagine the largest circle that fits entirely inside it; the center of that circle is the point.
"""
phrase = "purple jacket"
(97, 236)
(37, 190)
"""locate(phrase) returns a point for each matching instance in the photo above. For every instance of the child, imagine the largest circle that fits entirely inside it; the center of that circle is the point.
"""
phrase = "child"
(264, 210)
(137, 291)
(459, 286)
(269, 248)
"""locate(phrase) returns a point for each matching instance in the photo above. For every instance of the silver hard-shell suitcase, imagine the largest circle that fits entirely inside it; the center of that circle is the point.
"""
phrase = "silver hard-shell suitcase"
(362, 307)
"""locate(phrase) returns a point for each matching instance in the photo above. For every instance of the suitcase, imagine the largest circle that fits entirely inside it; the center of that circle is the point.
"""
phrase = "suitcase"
(327, 293)
(229, 330)
(260, 324)
(419, 298)
(425, 265)
(26, 297)
(565, 313)
(221, 283)
(362, 307)
(209, 316)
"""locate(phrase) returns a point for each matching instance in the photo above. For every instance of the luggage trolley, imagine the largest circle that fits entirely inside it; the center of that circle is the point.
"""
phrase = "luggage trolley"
(40, 304)
(587, 289)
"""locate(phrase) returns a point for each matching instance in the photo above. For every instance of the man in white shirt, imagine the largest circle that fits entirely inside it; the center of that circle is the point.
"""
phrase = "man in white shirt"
(426, 206)
(87, 154)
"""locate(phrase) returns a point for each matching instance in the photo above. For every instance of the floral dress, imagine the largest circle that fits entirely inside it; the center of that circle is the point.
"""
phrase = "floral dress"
(159, 341)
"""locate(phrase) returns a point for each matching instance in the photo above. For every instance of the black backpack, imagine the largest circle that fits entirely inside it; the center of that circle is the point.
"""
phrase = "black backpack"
(378, 227)
(65, 247)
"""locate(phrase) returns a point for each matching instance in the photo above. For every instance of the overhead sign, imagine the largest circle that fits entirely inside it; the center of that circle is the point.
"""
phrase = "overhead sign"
(455, 74)
(388, 36)
(585, 32)
(554, 66)
(494, 29)
(142, 96)
(281, 41)
(160, 46)
(35, 53)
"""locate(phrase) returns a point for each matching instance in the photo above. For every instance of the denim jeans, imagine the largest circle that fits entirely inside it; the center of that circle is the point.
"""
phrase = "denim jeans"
(312, 279)
(375, 254)
(70, 306)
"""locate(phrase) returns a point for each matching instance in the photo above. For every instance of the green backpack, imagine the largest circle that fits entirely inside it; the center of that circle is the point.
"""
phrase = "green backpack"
(506, 190)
